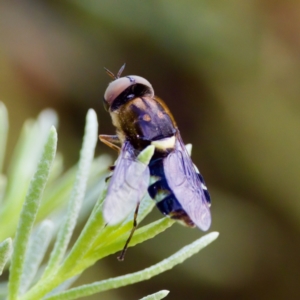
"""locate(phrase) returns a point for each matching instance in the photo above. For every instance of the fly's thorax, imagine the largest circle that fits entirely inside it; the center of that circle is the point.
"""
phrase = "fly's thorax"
(144, 120)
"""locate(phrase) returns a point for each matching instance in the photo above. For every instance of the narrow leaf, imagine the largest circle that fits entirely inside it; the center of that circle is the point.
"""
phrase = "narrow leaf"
(112, 232)
(5, 253)
(146, 155)
(25, 158)
(116, 241)
(28, 214)
(166, 264)
(78, 192)
(86, 239)
(157, 296)
(64, 286)
(89, 233)
(36, 250)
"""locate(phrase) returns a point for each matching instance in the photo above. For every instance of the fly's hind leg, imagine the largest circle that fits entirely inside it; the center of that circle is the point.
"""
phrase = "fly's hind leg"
(122, 255)
(111, 141)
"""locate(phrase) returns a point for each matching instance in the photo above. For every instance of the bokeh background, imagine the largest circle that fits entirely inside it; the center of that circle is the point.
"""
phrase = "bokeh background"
(229, 71)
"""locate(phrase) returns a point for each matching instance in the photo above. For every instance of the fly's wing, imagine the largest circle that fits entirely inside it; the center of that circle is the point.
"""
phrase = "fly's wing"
(127, 186)
(185, 183)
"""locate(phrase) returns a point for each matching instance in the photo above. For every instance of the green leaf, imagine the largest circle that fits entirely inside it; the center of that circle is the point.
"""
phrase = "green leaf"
(66, 270)
(115, 242)
(86, 239)
(64, 286)
(28, 214)
(111, 232)
(37, 247)
(157, 296)
(78, 192)
(25, 159)
(5, 253)
(146, 155)
(166, 264)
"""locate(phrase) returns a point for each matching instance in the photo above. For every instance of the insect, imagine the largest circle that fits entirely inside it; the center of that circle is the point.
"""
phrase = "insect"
(172, 180)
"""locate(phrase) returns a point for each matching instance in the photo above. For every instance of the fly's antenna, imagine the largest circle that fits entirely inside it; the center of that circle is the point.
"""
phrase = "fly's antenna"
(121, 70)
(112, 75)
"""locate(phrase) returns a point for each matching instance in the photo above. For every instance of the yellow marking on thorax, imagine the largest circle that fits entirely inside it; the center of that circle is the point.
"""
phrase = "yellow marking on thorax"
(116, 122)
(139, 103)
(167, 143)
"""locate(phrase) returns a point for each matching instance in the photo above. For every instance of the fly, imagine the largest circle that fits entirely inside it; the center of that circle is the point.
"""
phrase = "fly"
(171, 179)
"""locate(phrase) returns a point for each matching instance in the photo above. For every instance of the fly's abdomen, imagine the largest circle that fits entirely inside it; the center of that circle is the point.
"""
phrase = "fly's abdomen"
(161, 193)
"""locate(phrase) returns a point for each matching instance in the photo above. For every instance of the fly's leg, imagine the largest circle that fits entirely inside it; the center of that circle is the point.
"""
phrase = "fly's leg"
(111, 168)
(122, 254)
(111, 141)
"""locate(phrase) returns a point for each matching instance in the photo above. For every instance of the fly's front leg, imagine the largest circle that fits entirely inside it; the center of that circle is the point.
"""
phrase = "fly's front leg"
(111, 141)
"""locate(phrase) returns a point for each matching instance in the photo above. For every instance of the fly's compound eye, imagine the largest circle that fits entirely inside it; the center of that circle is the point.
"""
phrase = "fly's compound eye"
(123, 85)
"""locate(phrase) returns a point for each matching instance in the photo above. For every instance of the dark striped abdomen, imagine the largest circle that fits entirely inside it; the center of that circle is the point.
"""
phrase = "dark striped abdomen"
(161, 193)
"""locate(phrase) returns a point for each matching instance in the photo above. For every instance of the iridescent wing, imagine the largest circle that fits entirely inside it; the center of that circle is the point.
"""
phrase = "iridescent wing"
(185, 183)
(127, 186)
